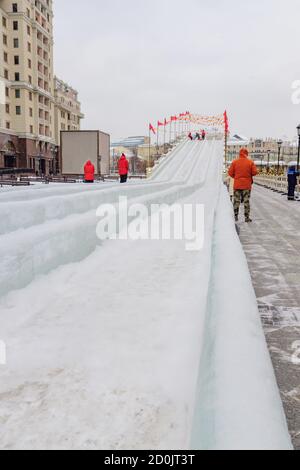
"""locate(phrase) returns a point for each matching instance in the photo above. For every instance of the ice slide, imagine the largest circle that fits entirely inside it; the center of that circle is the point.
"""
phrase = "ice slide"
(131, 344)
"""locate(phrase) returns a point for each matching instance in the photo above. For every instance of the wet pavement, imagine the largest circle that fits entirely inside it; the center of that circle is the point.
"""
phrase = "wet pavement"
(272, 247)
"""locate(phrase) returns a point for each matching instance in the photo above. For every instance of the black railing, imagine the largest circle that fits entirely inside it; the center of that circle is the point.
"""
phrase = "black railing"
(16, 171)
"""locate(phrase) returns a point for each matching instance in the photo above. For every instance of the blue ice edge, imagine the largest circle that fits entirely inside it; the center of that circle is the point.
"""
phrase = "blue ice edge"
(237, 404)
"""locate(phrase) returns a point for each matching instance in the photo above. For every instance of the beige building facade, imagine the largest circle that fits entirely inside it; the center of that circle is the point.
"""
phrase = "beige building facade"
(68, 113)
(29, 101)
(264, 150)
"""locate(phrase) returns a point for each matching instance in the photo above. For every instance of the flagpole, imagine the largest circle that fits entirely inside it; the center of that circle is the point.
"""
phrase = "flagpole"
(170, 134)
(157, 147)
(149, 156)
(165, 137)
(226, 147)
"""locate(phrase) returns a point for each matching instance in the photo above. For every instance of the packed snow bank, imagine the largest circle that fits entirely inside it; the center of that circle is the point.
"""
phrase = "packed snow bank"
(238, 405)
(41, 235)
(104, 342)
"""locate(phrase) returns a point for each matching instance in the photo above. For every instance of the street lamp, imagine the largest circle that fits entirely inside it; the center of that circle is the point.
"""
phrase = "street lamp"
(279, 151)
(298, 161)
(269, 153)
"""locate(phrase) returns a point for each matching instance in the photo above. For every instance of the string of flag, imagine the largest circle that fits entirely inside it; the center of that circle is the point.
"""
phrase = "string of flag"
(207, 121)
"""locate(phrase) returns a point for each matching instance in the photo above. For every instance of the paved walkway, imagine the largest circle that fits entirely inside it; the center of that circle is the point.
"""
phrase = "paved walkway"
(272, 247)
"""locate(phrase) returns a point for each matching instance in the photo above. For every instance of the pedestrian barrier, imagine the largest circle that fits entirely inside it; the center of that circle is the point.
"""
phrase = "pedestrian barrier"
(13, 182)
(275, 183)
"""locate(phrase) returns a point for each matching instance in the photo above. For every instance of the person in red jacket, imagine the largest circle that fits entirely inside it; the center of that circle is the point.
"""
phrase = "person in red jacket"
(89, 172)
(203, 135)
(243, 171)
(123, 168)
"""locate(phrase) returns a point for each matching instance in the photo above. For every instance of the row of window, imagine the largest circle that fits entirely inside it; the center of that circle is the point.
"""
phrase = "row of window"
(38, 18)
(43, 84)
(42, 114)
(43, 130)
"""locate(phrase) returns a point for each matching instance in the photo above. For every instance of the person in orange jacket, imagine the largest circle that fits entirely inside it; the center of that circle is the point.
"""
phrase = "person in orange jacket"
(89, 172)
(242, 171)
(123, 168)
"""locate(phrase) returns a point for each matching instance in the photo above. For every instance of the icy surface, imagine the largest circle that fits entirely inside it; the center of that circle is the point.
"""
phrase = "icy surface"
(106, 342)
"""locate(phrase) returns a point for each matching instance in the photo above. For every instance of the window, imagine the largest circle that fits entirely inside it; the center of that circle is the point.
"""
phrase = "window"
(5, 57)
(28, 30)
(6, 74)
(8, 125)
(16, 43)
(30, 112)
(17, 77)
(7, 92)
(29, 63)
(29, 47)
(4, 22)
(7, 108)
(18, 93)
(30, 96)
(15, 25)
(15, 8)
(31, 129)
(18, 110)
(4, 40)
(17, 60)
(30, 79)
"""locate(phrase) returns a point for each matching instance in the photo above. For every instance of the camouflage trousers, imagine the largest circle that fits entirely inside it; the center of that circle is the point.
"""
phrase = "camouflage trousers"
(242, 196)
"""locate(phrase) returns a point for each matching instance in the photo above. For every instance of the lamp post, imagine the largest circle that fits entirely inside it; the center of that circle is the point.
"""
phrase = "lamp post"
(279, 152)
(269, 152)
(298, 161)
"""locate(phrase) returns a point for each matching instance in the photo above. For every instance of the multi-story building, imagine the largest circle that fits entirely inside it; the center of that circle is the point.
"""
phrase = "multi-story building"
(29, 134)
(67, 108)
(263, 150)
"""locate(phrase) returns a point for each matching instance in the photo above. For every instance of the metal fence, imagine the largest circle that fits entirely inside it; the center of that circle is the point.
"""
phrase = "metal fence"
(275, 183)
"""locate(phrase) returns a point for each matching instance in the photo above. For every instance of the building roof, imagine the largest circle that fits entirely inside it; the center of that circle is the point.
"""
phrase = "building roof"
(129, 142)
(238, 139)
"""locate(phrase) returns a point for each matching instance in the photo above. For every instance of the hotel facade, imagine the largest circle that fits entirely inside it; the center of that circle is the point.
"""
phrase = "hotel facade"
(34, 104)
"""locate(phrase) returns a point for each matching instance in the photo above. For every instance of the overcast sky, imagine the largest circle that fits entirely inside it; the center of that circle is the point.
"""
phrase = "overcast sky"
(135, 61)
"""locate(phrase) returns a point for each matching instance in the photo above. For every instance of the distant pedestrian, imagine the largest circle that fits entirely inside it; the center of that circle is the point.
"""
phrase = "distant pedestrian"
(190, 136)
(203, 135)
(123, 168)
(292, 182)
(198, 137)
(89, 172)
(243, 171)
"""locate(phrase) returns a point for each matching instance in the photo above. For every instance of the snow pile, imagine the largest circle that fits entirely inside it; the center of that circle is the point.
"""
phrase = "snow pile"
(238, 402)
(104, 340)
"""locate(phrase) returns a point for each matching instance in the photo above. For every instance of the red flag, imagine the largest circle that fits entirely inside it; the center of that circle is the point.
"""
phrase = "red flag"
(173, 118)
(151, 128)
(226, 122)
(160, 124)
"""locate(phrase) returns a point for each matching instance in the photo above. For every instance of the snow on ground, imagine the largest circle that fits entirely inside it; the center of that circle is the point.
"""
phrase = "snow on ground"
(106, 342)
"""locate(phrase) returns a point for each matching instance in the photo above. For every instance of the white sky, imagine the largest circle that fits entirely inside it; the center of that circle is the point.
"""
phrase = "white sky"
(135, 61)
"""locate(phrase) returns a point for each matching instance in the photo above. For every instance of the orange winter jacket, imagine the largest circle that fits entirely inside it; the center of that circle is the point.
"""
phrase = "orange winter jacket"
(243, 170)
(89, 171)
